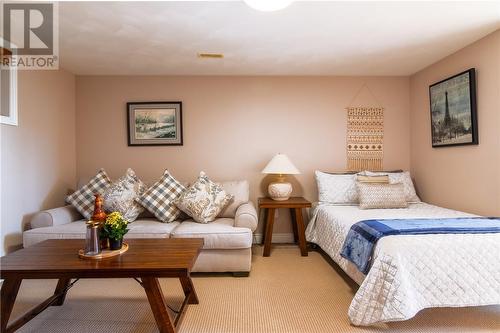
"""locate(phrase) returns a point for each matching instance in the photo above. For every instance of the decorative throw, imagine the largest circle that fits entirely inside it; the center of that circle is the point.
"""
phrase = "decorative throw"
(203, 200)
(363, 236)
(121, 195)
(365, 138)
(379, 195)
(158, 199)
(83, 199)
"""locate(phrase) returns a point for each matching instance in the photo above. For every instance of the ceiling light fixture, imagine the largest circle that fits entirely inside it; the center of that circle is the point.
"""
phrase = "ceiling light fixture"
(268, 5)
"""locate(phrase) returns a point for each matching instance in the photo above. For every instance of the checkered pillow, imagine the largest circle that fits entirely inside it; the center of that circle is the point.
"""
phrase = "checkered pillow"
(158, 198)
(83, 199)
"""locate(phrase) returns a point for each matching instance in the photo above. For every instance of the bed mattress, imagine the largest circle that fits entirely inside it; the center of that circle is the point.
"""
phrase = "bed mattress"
(411, 272)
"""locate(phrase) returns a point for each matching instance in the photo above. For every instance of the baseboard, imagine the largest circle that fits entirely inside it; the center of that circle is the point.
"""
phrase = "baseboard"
(277, 238)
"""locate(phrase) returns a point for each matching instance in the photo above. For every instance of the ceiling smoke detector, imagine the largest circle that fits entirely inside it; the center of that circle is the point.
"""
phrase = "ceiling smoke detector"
(211, 55)
(268, 5)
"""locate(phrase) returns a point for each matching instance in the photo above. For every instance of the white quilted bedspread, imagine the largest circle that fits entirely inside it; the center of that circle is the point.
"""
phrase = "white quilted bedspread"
(411, 272)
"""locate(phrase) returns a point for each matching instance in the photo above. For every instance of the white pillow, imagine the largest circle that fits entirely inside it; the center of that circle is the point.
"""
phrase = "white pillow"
(337, 188)
(399, 177)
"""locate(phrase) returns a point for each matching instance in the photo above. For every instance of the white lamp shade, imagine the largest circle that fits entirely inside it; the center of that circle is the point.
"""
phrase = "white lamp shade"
(281, 164)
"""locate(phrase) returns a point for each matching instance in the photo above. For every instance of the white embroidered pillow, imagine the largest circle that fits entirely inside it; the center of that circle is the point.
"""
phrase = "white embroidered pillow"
(83, 199)
(121, 195)
(203, 200)
(336, 188)
(373, 195)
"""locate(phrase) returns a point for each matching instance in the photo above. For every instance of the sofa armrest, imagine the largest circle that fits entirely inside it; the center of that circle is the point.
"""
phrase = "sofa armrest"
(56, 216)
(246, 216)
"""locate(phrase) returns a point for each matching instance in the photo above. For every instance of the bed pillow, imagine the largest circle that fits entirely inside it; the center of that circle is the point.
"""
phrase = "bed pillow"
(399, 177)
(203, 200)
(379, 179)
(376, 195)
(336, 188)
(158, 199)
(122, 194)
(83, 198)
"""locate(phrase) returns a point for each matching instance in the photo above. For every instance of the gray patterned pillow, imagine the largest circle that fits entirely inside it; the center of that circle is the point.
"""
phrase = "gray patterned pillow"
(83, 199)
(158, 198)
(373, 195)
(203, 200)
(399, 177)
(120, 196)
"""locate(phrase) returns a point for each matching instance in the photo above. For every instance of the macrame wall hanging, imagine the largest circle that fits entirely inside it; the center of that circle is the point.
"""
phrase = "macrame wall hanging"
(365, 136)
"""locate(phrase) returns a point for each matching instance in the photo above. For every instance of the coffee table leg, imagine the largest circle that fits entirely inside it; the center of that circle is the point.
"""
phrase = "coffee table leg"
(187, 286)
(10, 288)
(61, 287)
(158, 306)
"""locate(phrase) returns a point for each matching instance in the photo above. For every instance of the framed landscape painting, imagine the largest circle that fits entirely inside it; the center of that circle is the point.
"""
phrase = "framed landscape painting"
(154, 123)
(453, 110)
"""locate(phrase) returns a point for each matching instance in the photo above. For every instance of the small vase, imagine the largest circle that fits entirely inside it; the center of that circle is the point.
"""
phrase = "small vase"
(115, 244)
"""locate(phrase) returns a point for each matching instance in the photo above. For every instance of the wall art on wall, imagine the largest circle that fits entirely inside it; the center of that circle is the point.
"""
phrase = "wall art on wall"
(453, 110)
(154, 123)
(365, 138)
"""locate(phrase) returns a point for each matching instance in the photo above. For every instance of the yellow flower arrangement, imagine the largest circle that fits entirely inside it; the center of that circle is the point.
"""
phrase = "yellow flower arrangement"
(115, 226)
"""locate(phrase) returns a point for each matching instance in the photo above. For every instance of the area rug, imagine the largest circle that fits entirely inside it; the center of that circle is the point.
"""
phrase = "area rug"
(284, 293)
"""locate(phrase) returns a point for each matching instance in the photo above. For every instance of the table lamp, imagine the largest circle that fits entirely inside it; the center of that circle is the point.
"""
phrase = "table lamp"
(280, 165)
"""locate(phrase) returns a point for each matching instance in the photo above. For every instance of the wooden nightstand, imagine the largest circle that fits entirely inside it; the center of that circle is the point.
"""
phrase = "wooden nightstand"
(295, 204)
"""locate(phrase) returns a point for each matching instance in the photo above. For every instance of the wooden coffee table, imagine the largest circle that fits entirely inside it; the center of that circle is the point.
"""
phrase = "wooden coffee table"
(146, 261)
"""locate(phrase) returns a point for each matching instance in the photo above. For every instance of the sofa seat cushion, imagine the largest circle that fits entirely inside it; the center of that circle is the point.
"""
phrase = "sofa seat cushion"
(140, 228)
(218, 234)
(150, 228)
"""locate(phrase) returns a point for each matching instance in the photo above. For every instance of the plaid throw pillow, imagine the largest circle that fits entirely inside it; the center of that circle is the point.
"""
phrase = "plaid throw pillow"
(83, 199)
(158, 198)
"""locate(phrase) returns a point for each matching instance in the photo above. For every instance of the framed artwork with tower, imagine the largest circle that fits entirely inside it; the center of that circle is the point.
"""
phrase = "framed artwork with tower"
(453, 110)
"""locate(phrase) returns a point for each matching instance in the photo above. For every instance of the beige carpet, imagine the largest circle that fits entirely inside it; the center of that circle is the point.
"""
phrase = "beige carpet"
(284, 293)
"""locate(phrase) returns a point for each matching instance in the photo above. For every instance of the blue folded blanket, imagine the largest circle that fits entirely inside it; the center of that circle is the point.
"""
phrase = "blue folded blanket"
(363, 236)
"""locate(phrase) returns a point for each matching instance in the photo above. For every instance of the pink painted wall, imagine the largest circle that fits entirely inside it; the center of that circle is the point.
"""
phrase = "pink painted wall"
(38, 162)
(464, 177)
(234, 125)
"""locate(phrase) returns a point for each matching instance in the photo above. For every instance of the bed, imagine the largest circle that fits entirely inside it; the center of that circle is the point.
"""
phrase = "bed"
(411, 272)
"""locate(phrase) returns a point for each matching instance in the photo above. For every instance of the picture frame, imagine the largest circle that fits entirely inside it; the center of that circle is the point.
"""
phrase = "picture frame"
(154, 123)
(8, 87)
(453, 110)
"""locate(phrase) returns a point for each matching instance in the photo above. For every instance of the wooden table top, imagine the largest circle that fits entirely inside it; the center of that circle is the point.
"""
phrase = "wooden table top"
(55, 257)
(293, 202)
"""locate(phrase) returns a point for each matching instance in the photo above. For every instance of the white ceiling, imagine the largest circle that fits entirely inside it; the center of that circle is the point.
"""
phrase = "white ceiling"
(307, 38)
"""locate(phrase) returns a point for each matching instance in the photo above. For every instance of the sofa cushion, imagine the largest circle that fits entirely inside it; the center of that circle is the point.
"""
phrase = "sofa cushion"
(141, 228)
(219, 234)
(83, 199)
(158, 199)
(120, 196)
(241, 194)
(203, 200)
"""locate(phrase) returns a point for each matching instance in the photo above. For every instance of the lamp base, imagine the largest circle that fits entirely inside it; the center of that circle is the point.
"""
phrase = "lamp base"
(279, 191)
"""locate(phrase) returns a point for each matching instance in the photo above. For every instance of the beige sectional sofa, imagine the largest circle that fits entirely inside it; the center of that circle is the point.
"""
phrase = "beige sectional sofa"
(228, 239)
